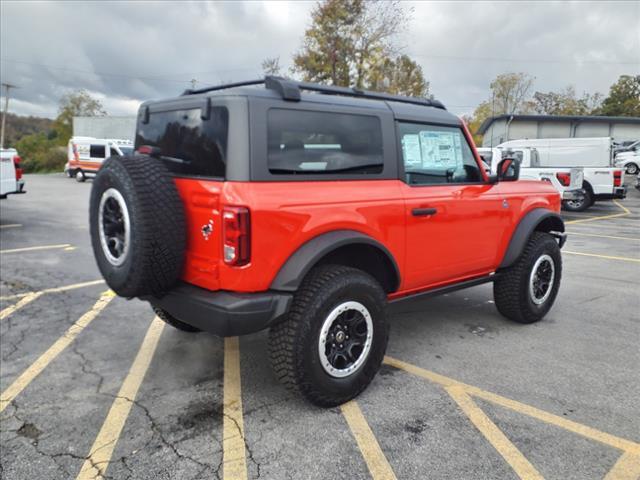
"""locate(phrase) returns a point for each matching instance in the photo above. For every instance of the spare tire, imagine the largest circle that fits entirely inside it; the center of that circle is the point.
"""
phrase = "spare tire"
(137, 226)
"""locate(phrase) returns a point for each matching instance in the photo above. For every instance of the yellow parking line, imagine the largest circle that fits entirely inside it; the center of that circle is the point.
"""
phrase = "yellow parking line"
(234, 464)
(626, 468)
(604, 217)
(54, 350)
(28, 298)
(585, 431)
(55, 289)
(96, 464)
(494, 435)
(31, 249)
(371, 452)
(572, 233)
(607, 257)
(626, 210)
(11, 225)
(593, 219)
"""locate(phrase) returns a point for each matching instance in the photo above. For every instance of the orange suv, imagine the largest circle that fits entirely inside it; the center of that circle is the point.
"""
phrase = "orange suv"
(313, 210)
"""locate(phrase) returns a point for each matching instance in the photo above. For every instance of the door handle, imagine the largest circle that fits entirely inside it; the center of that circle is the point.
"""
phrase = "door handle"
(422, 212)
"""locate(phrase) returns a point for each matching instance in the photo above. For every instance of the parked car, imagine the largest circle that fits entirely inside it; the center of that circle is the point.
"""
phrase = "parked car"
(251, 207)
(626, 146)
(11, 180)
(567, 181)
(86, 154)
(629, 161)
(602, 181)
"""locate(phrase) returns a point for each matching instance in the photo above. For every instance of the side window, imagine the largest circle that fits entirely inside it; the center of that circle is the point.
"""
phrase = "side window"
(113, 152)
(97, 151)
(435, 155)
(306, 142)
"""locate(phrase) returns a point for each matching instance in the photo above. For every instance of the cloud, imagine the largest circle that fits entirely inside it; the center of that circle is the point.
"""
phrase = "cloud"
(127, 52)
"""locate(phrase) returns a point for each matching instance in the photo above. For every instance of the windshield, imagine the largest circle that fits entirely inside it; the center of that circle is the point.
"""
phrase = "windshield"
(126, 150)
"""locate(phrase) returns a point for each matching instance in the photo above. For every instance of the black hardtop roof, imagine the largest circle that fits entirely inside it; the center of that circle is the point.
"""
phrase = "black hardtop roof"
(405, 108)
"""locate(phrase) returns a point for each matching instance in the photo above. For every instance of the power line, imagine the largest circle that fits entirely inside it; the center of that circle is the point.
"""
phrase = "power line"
(157, 78)
(523, 60)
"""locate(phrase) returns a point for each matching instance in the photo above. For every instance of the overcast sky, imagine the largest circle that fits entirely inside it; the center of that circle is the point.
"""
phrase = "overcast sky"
(125, 52)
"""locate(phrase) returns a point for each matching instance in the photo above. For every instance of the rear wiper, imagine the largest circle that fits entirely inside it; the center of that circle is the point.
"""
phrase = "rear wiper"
(181, 161)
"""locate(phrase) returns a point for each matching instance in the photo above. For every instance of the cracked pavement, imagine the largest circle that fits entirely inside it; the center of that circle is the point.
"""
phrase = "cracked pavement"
(581, 363)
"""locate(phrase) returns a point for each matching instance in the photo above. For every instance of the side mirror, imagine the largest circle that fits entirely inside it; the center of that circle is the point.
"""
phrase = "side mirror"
(508, 170)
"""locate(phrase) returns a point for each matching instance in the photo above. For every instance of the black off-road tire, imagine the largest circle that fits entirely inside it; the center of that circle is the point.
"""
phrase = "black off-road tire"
(511, 288)
(173, 321)
(155, 256)
(293, 343)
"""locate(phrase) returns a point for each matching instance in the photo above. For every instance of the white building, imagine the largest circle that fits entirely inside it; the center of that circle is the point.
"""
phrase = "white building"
(105, 127)
(502, 128)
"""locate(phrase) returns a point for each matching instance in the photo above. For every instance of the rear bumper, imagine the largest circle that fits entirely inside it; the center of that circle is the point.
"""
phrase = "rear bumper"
(573, 194)
(618, 192)
(223, 313)
(19, 188)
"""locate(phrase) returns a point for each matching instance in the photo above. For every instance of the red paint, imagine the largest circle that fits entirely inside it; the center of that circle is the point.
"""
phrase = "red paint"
(467, 237)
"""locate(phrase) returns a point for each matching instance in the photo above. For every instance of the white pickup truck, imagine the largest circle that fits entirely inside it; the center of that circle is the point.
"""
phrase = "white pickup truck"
(602, 181)
(568, 181)
(11, 180)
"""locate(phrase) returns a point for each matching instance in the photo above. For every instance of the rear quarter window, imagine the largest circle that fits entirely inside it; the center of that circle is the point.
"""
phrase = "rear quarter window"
(310, 142)
(188, 145)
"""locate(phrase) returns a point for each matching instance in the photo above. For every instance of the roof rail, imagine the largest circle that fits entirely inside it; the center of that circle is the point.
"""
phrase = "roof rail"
(290, 90)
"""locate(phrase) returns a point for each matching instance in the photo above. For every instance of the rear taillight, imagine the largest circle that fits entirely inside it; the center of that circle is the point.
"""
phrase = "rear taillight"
(236, 235)
(16, 164)
(564, 178)
(617, 178)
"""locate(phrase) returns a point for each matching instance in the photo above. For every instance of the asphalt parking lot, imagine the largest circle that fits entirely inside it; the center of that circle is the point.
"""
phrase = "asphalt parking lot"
(92, 386)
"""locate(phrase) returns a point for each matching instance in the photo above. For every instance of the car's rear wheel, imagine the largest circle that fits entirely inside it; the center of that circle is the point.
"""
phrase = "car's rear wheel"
(169, 319)
(579, 205)
(334, 338)
(80, 176)
(137, 226)
(525, 291)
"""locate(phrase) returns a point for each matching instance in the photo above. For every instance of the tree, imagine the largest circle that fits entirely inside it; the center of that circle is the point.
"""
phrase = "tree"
(566, 102)
(401, 76)
(510, 93)
(75, 104)
(352, 43)
(271, 66)
(624, 98)
(480, 114)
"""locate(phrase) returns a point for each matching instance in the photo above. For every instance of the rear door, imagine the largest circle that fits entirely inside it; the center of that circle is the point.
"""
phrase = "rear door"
(454, 219)
(194, 151)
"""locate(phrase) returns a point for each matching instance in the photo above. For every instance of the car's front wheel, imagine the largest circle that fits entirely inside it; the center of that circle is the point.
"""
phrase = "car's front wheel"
(80, 176)
(631, 169)
(525, 291)
(334, 338)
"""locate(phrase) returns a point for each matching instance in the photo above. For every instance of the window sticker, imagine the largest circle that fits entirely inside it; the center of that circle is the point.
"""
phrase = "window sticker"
(439, 150)
(411, 150)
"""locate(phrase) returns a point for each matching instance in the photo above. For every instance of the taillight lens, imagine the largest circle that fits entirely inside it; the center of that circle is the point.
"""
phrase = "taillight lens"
(236, 234)
(617, 178)
(564, 178)
(16, 164)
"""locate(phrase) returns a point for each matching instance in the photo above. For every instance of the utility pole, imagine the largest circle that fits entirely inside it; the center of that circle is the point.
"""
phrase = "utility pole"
(7, 86)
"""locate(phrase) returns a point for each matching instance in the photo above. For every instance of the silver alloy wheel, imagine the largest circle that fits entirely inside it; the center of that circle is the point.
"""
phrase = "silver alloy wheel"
(576, 203)
(345, 339)
(632, 169)
(114, 226)
(541, 279)
(79, 175)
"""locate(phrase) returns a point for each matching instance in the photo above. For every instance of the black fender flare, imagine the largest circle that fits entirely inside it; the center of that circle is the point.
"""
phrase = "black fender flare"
(291, 274)
(552, 222)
